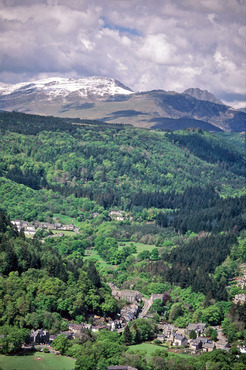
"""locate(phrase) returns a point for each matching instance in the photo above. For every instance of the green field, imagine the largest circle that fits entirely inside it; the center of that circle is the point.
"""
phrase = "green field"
(36, 361)
(140, 246)
(65, 232)
(67, 220)
(92, 254)
(150, 348)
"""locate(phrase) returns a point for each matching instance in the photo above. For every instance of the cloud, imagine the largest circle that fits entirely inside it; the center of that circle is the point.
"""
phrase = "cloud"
(164, 44)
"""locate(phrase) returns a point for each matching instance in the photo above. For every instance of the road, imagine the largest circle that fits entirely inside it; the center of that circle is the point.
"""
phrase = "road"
(146, 307)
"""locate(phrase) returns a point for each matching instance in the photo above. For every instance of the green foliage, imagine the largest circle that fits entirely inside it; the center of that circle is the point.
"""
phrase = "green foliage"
(11, 339)
(61, 343)
(158, 306)
(214, 335)
(212, 315)
(193, 334)
(146, 329)
(193, 262)
(104, 164)
(127, 335)
(39, 287)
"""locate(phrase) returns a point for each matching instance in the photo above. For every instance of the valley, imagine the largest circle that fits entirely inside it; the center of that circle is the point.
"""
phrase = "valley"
(157, 214)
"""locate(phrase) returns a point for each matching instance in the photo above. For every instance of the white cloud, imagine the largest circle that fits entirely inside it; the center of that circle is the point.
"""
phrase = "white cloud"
(168, 44)
(157, 49)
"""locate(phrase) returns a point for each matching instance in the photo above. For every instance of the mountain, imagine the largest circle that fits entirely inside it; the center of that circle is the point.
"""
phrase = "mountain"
(85, 88)
(202, 95)
(106, 99)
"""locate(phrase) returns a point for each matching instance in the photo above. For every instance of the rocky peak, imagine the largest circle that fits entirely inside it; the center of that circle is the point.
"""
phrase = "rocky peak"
(202, 95)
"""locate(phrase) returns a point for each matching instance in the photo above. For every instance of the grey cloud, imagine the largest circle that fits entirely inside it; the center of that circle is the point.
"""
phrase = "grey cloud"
(168, 44)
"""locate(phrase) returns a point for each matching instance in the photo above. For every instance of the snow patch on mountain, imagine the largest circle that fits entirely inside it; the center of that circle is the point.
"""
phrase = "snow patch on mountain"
(62, 87)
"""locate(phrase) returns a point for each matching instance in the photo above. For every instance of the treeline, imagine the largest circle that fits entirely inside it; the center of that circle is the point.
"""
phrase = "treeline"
(32, 124)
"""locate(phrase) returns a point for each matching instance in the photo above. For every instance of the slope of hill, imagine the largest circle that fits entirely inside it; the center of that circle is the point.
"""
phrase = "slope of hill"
(178, 192)
(112, 165)
(109, 100)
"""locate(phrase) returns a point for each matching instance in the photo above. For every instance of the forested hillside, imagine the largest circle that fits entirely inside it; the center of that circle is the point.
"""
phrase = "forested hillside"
(41, 287)
(155, 211)
(112, 165)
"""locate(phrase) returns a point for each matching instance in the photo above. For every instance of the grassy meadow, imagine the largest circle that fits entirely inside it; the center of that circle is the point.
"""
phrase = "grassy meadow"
(36, 361)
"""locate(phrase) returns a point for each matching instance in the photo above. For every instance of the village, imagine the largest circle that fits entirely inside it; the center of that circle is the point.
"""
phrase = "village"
(167, 334)
(136, 306)
(30, 228)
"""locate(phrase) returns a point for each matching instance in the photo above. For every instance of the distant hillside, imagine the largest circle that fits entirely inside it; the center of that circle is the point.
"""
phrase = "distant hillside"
(112, 165)
(105, 99)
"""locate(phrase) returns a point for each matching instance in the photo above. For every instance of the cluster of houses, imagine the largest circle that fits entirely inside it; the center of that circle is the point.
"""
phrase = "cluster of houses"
(167, 333)
(180, 337)
(130, 311)
(30, 228)
(120, 216)
(241, 281)
(239, 298)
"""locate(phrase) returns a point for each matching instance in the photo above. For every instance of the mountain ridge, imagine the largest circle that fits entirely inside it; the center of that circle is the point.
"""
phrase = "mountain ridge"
(106, 99)
(203, 95)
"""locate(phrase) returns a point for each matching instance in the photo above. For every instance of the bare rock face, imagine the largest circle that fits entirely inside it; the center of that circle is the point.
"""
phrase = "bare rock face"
(202, 95)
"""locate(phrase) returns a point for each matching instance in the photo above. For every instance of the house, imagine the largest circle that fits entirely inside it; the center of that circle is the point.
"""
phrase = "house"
(130, 296)
(161, 337)
(167, 330)
(208, 347)
(202, 343)
(128, 313)
(70, 227)
(86, 326)
(114, 325)
(242, 349)
(39, 336)
(97, 328)
(18, 224)
(195, 345)
(117, 215)
(76, 329)
(60, 234)
(47, 225)
(68, 334)
(240, 298)
(225, 346)
(153, 297)
(30, 230)
(198, 328)
(178, 340)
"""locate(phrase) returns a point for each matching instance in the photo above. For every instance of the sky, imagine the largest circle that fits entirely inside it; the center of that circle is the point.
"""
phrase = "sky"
(171, 45)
